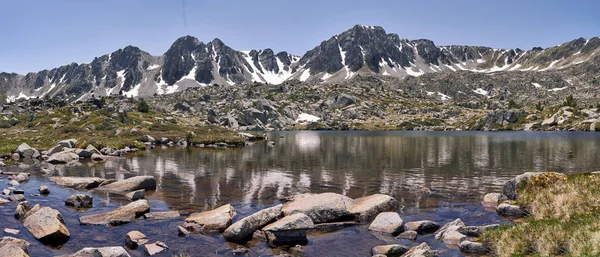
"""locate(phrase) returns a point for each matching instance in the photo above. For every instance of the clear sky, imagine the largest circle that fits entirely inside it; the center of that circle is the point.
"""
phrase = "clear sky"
(44, 34)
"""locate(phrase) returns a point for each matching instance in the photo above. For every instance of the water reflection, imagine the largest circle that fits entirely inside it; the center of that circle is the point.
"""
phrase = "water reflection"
(456, 166)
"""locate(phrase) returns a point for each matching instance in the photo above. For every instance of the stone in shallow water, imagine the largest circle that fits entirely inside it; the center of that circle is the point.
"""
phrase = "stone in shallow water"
(242, 229)
(387, 223)
(215, 221)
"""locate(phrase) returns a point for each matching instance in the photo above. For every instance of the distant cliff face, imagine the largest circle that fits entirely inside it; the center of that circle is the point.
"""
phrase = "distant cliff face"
(360, 50)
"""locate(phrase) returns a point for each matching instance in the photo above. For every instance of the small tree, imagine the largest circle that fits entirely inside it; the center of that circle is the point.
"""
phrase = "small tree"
(570, 101)
(143, 106)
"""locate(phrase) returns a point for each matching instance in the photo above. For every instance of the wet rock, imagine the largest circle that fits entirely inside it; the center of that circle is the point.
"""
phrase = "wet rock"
(366, 208)
(80, 201)
(114, 251)
(22, 208)
(13, 247)
(155, 248)
(119, 216)
(289, 230)
(387, 223)
(68, 143)
(511, 211)
(390, 250)
(408, 235)
(468, 247)
(492, 199)
(80, 183)
(44, 190)
(135, 195)
(422, 227)
(130, 184)
(215, 221)
(12, 231)
(334, 226)
(25, 151)
(63, 158)
(168, 215)
(47, 226)
(135, 239)
(476, 231)
(422, 250)
(325, 207)
(245, 227)
(511, 187)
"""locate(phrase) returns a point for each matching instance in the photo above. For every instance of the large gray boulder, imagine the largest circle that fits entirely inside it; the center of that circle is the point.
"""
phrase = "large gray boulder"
(119, 216)
(130, 184)
(289, 230)
(387, 223)
(80, 183)
(215, 221)
(245, 227)
(325, 207)
(47, 225)
(26, 151)
(366, 208)
(113, 251)
(63, 157)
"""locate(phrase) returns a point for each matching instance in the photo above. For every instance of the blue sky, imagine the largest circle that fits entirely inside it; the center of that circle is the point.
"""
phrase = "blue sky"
(45, 34)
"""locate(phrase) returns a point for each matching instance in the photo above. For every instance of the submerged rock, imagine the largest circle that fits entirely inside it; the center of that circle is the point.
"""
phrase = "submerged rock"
(325, 207)
(113, 251)
(47, 226)
(289, 230)
(388, 223)
(215, 221)
(390, 250)
(245, 227)
(119, 216)
(366, 208)
(80, 183)
(130, 184)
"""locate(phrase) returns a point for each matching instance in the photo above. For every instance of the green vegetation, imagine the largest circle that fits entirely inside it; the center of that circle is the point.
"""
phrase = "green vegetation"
(564, 221)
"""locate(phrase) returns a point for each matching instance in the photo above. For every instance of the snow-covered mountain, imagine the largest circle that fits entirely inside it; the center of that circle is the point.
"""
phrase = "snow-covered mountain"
(361, 50)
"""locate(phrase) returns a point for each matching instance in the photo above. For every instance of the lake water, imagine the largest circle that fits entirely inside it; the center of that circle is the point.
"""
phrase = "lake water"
(457, 167)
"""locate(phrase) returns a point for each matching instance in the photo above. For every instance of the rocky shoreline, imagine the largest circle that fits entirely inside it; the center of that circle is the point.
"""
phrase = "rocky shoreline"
(282, 226)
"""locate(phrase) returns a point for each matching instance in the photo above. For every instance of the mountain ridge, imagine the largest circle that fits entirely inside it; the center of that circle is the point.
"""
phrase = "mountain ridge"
(189, 62)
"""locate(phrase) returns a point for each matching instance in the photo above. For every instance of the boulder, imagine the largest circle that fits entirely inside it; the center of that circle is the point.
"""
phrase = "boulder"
(135, 195)
(389, 250)
(473, 248)
(119, 216)
(422, 227)
(511, 187)
(80, 201)
(215, 221)
(13, 247)
(325, 207)
(155, 248)
(25, 151)
(44, 190)
(80, 183)
(408, 235)
(366, 208)
(130, 184)
(68, 143)
(135, 239)
(47, 226)
(289, 230)
(113, 251)
(511, 211)
(387, 223)
(492, 199)
(162, 215)
(422, 250)
(63, 157)
(245, 227)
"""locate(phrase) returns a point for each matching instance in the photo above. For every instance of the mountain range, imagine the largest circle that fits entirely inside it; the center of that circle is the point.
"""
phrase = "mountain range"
(359, 51)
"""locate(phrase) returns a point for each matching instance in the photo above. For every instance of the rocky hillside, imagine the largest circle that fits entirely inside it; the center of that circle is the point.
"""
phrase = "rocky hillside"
(362, 50)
